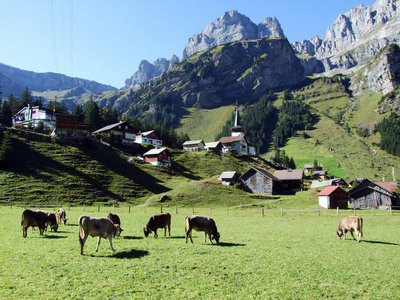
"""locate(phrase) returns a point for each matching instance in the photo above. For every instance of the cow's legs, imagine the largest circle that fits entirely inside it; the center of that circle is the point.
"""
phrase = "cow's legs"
(188, 233)
(110, 239)
(98, 244)
(358, 234)
(351, 231)
(24, 231)
(82, 241)
(155, 233)
(209, 236)
(169, 229)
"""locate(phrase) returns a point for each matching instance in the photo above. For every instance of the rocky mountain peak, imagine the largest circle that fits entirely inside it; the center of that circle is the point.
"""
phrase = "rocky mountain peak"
(231, 26)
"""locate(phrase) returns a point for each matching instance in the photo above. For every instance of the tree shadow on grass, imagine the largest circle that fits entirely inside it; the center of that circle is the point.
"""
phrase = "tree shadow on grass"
(379, 242)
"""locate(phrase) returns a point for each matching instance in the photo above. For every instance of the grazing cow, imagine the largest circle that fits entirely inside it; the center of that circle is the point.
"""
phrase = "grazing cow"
(158, 221)
(33, 218)
(62, 216)
(100, 227)
(114, 218)
(200, 223)
(350, 223)
(50, 220)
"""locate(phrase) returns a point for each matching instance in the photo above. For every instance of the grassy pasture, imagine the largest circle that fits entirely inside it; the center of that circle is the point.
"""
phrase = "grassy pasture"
(289, 257)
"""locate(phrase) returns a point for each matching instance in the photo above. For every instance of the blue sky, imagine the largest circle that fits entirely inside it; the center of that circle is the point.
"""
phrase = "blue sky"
(105, 41)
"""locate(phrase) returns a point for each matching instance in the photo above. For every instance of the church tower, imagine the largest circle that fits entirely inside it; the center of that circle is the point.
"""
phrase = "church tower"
(237, 130)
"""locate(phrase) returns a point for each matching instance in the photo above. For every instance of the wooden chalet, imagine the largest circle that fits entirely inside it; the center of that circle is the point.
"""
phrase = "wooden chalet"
(259, 181)
(122, 129)
(148, 137)
(33, 115)
(68, 126)
(291, 180)
(333, 197)
(194, 146)
(158, 157)
(368, 194)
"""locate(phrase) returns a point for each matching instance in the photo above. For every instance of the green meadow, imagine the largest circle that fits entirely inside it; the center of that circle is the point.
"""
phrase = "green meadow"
(261, 255)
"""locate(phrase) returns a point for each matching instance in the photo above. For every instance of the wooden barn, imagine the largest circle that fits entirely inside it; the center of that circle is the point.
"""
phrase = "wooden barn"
(333, 197)
(368, 194)
(291, 180)
(228, 178)
(158, 157)
(259, 181)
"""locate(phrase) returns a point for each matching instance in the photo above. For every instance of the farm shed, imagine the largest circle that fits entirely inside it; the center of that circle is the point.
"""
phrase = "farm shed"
(194, 146)
(368, 194)
(259, 181)
(158, 157)
(121, 129)
(292, 180)
(69, 126)
(309, 167)
(332, 197)
(228, 178)
(213, 146)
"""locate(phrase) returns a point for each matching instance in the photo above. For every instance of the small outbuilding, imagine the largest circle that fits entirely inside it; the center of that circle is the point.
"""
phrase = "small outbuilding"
(333, 197)
(291, 180)
(228, 178)
(214, 146)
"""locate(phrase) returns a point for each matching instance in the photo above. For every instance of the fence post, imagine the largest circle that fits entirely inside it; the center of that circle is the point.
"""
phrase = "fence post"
(299, 212)
(245, 211)
(262, 211)
(98, 208)
(113, 208)
(145, 209)
(25, 205)
(69, 206)
(129, 209)
(176, 210)
(318, 209)
(83, 206)
(391, 212)
(10, 204)
(210, 211)
(226, 211)
(281, 211)
(373, 213)
(337, 210)
(192, 210)
(161, 208)
(354, 211)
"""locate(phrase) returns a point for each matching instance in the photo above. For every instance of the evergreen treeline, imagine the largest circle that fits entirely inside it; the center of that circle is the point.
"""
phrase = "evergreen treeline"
(294, 115)
(389, 128)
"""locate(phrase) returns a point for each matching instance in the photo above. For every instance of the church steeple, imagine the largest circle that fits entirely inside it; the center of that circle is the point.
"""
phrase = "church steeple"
(237, 130)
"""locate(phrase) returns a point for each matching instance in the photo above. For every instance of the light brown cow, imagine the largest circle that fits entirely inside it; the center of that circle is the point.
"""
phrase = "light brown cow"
(200, 223)
(62, 216)
(350, 223)
(100, 227)
(33, 219)
(158, 221)
(50, 219)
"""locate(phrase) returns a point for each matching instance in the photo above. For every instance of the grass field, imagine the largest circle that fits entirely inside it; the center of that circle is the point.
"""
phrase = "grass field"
(268, 257)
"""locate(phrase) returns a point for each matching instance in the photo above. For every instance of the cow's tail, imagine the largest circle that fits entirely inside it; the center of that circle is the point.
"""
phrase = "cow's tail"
(81, 230)
(361, 226)
(186, 223)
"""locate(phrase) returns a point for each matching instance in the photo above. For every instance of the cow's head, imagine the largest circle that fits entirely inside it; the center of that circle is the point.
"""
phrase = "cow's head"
(339, 233)
(65, 221)
(146, 231)
(117, 231)
(216, 236)
(54, 227)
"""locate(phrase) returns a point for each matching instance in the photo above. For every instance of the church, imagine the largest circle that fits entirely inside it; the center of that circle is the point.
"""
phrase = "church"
(237, 142)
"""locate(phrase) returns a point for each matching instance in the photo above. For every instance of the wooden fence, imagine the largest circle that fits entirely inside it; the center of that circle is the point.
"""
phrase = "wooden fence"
(242, 210)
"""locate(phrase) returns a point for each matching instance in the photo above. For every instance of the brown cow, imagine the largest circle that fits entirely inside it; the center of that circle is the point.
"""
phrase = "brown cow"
(100, 227)
(350, 223)
(114, 218)
(50, 219)
(33, 218)
(62, 216)
(200, 223)
(158, 221)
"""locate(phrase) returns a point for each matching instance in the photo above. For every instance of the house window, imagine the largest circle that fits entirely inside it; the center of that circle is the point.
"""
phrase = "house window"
(266, 179)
